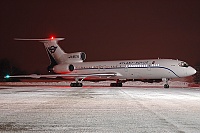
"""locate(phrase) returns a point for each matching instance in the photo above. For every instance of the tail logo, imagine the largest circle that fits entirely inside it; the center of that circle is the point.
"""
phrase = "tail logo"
(52, 49)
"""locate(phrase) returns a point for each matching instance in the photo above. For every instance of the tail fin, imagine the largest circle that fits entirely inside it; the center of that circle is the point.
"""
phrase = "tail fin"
(56, 54)
(52, 48)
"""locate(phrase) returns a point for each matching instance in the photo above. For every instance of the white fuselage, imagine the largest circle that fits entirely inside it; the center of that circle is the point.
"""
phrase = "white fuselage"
(136, 69)
(71, 66)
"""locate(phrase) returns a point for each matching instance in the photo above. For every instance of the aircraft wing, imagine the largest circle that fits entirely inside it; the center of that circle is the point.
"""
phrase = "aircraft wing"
(98, 75)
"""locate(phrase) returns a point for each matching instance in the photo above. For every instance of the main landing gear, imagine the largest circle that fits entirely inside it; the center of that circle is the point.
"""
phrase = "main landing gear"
(166, 80)
(117, 84)
(77, 83)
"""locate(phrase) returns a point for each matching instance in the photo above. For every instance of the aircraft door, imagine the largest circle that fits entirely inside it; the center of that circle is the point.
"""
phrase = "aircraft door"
(126, 68)
(149, 67)
(101, 68)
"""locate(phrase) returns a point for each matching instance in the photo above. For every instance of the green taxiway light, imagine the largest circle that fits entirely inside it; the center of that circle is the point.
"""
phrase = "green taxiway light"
(7, 76)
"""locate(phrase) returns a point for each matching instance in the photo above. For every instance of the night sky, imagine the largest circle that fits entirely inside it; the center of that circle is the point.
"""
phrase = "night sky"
(103, 29)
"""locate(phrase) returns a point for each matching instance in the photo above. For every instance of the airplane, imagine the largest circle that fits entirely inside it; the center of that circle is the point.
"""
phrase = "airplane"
(71, 66)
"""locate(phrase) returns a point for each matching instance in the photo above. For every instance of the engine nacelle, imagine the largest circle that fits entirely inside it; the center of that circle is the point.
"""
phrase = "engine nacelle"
(76, 57)
(63, 68)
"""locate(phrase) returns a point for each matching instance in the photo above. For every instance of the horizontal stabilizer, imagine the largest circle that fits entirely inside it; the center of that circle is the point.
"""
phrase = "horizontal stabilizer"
(34, 39)
(51, 45)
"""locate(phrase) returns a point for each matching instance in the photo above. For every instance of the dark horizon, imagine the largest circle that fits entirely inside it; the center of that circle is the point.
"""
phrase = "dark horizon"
(104, 30)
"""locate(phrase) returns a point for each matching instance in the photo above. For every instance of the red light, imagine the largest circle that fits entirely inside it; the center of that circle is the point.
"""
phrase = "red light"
(52, 38)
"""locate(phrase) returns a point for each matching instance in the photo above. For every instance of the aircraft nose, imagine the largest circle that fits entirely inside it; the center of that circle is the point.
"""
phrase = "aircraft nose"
(191, 71)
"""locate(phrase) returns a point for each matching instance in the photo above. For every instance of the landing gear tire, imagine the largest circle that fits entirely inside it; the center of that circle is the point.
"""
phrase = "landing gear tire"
(166, 82)
(166, 86)
(116, 84)
(76, 84)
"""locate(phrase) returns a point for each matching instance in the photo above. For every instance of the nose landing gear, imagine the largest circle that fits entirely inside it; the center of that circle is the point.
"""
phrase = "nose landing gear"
(166, 86)
(166, 80)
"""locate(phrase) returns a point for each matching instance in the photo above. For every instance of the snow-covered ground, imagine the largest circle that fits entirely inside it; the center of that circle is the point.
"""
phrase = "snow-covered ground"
(59, 108)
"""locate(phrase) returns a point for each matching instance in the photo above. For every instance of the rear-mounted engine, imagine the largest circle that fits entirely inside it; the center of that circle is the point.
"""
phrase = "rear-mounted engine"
(63, 68)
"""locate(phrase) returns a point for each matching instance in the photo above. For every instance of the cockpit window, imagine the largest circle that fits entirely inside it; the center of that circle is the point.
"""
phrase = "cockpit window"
(183, 64)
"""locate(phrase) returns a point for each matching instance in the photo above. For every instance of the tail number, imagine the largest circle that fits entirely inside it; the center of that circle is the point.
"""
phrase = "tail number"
(74, 56)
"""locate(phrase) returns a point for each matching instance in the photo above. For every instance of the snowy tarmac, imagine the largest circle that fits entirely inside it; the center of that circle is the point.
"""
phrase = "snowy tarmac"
(47, 108)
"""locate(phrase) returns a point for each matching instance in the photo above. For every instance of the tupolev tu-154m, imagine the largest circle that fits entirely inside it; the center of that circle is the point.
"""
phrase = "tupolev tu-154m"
(71, 66)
